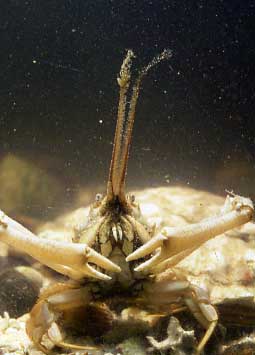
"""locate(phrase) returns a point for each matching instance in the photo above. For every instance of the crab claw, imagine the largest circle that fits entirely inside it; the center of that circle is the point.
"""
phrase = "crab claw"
(175, 243)
(71, 259)
(153, 247)
(147, 248)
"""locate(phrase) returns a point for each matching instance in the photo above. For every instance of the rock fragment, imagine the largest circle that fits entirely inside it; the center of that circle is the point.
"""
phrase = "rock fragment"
(179, 340)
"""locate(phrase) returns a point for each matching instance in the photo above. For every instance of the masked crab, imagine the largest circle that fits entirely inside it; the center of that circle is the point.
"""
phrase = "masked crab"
(116, 251)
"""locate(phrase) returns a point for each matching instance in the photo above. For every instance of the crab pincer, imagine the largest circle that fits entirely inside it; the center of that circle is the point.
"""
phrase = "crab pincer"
(173, 244)
(71, 259)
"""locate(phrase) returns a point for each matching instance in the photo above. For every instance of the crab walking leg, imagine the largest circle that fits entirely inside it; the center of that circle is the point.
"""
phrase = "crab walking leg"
(167, 289)
(44, 315)
(204, 312)
(71, 256)
(172, 241)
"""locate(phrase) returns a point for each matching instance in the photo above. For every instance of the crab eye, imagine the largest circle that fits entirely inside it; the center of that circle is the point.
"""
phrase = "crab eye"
(98, 197)
(132, 198)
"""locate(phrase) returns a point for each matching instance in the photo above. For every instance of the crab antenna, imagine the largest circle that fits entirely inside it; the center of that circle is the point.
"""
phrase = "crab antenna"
(123, 81)
(125, 122)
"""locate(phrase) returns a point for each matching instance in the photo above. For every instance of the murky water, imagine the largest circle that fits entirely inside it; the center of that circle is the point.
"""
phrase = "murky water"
(194, 118)
(59, 97)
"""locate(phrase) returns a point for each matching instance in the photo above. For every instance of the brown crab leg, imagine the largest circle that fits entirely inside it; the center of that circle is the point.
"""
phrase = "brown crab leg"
(44, 315)
(167, 289)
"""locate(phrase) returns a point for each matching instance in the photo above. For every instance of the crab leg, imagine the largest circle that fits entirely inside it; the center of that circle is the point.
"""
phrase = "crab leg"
(177, 289)
(64, 257)
(176, 243)
(44, 315)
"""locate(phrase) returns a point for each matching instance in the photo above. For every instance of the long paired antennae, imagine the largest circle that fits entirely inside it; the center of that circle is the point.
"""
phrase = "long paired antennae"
(125, 122)
(113, 187)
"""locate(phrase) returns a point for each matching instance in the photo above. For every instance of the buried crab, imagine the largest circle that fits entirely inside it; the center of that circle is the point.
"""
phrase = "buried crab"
(116, 251)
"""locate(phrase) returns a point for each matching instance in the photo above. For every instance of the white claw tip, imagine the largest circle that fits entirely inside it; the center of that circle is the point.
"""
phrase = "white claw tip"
(139, 268)
(130, 258)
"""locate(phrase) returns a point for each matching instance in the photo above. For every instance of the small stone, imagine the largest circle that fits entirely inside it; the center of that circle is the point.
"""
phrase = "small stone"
(179, 340)
(242, 346)
(4, 321)
(19, 290)
(132, 346)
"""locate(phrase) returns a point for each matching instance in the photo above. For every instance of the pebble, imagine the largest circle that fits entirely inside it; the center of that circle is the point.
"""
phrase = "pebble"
(20, 287)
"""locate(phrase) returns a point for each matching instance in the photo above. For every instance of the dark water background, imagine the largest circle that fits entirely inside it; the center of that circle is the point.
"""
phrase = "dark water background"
(195, 118)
